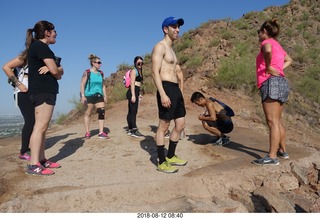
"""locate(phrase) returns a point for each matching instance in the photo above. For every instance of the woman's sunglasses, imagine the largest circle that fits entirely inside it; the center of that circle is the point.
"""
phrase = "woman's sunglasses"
(139, 63)
(99, 63)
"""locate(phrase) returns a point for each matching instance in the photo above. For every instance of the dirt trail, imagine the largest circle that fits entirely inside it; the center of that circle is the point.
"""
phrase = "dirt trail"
(119, 174)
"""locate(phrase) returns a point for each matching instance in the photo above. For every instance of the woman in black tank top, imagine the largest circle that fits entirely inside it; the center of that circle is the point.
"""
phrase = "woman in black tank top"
(133, 96)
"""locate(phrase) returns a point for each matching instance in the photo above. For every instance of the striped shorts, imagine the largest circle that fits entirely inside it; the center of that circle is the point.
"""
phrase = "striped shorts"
(276, 88)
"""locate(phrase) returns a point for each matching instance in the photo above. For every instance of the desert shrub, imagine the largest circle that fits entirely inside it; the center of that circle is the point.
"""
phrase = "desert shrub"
(118, 93)
(60, 120)
(194, 61)
(213, 43)
(313, 53)
(313, 40)
(237, 73)
(75, 101)
(123, 66)
(310, 88)
(182, 58)
(227, 34)
(299, 54)
(184, 44)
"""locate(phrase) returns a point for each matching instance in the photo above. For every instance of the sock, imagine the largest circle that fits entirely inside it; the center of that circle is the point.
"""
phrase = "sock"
(172, 148)
(43, 162)
(160, 149)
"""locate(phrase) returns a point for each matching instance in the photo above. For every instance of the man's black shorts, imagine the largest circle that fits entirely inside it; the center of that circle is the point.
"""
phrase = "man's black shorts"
(177, 109)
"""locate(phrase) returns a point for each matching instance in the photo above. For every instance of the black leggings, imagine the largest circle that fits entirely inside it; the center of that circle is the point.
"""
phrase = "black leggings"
(132, 108)
(27, 111)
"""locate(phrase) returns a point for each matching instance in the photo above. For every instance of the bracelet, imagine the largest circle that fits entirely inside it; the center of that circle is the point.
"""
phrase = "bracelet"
(18, 84)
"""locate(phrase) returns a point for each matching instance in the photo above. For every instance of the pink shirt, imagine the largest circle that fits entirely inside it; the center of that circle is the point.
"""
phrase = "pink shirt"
(277, 61)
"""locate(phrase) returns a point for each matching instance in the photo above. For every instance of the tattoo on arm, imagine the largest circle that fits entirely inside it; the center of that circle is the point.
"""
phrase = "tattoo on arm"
(13, 79)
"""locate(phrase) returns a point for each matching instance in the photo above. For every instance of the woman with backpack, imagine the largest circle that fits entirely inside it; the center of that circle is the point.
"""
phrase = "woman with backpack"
(17, 72)
(94, 94)
(133, 96)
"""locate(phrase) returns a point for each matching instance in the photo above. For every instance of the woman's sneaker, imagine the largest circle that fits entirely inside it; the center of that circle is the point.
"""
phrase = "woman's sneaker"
(266, 160)
(38, 170)
(87, 135)
(103, 135)
(283, 155)
(49, 164)
(136, 133)
(25, 156)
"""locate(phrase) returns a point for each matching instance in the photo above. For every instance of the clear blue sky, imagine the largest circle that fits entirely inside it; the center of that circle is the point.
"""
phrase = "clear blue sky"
(116, 31)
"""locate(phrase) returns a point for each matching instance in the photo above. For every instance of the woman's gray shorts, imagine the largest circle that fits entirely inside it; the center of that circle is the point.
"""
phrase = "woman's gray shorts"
(276, 88)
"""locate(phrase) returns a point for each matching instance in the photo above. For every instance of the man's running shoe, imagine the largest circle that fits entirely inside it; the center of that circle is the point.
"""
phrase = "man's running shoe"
(167, 168)
(103, 135)
(175, 160)
(38, 170)
(87, 135)
(136, 133)
(283, 155)
(25, 156)
(218, 142)
(266, 161)
(225, 140)
(49, 164)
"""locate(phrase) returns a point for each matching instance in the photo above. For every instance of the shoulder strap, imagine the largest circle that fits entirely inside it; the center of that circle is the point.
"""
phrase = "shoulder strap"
(137, 73)
(225, 106)
(101, 72)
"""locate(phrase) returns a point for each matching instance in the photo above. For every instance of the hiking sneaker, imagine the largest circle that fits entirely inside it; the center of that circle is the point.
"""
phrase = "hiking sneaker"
(175, 160)
(103, 135)
(167, 135)
(225, 140)
(25, 156)
(167, 168)
(218, 142)
(136, 133)
(49, 164)
(266, 160)
(87, 135)
(38, 170)
(283, 155)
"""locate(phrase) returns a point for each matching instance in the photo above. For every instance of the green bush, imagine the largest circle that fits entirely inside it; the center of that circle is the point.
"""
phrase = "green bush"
(61, 119)
(124, 66)
(194, 61)
(237, 73)
(310, 88)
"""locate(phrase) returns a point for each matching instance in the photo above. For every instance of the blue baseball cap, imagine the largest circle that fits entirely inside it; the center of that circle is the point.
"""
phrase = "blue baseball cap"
(169, 21)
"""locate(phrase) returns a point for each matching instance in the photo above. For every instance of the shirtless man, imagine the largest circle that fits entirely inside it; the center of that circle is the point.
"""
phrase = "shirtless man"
(169, 96)
(214, 119)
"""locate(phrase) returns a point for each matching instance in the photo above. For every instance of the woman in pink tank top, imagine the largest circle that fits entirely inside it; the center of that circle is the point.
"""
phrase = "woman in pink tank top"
(274, 89)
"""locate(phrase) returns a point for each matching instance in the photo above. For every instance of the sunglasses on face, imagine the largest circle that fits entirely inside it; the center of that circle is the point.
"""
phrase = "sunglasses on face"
(99, 63)
(139, 63)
